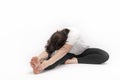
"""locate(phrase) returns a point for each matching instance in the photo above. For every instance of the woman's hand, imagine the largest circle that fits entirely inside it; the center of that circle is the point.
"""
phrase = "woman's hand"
(43, 65)
(38, 65)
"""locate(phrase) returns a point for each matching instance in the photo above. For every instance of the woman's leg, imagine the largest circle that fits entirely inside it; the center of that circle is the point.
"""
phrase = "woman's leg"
(89, 56)
(93, 56)
(61, 61)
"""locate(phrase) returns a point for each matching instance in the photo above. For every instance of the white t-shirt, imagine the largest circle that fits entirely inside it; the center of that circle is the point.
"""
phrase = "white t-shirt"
(75, 40)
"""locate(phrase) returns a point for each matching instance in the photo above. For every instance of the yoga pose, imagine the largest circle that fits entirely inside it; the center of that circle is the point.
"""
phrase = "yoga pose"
(66, 47)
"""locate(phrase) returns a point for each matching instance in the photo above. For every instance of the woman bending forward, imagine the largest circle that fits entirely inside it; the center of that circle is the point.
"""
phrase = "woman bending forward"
(66, 47)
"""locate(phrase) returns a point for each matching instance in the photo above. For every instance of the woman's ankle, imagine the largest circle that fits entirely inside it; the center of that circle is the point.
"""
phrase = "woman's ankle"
(71, 61)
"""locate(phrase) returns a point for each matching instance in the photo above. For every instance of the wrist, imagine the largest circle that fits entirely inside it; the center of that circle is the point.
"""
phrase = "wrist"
(44, 64)
(47, 63)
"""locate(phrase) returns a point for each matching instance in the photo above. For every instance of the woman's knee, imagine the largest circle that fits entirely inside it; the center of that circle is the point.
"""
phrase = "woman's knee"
(103, 55)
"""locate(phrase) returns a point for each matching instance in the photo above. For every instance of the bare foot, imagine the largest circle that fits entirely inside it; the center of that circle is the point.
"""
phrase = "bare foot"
(37, 70)
(34, 62)
(71, 61)
(35, 65)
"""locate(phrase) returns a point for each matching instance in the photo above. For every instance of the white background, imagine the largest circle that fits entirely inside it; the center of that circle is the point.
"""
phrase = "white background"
(25, 26)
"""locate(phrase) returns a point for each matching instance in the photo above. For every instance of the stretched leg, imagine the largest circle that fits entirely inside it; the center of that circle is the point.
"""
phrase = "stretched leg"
(61, 61)
(93, 56)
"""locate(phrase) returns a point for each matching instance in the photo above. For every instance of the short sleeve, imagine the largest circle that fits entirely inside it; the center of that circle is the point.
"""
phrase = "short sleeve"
(72, 37)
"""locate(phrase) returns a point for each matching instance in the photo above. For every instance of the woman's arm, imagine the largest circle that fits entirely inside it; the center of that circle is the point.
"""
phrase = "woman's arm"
(43, 55)
(60, 53)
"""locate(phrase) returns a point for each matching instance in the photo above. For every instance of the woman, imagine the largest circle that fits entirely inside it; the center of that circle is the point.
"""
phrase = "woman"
(66, 47)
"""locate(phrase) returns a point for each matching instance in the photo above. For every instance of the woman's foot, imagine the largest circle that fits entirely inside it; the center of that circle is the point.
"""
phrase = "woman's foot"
(71, 61)
(35, 64)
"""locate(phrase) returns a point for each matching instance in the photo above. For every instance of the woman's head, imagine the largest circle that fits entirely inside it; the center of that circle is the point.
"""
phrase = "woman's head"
(57, 40)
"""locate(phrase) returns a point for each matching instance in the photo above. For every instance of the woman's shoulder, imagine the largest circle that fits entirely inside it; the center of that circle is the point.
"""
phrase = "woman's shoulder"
(73, 30)
(74, 33)
(73, 36)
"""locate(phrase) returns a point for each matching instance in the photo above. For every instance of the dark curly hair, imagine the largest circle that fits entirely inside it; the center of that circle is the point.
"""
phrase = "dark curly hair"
(56, 41)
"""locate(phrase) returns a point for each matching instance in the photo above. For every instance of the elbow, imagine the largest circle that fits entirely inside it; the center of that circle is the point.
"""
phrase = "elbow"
(65, 49)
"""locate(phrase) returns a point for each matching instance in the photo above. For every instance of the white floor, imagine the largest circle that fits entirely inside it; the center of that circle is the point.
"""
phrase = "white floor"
(26, 25)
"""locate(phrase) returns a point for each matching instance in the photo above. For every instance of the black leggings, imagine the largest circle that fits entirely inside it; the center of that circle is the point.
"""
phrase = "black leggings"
(89, 56)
